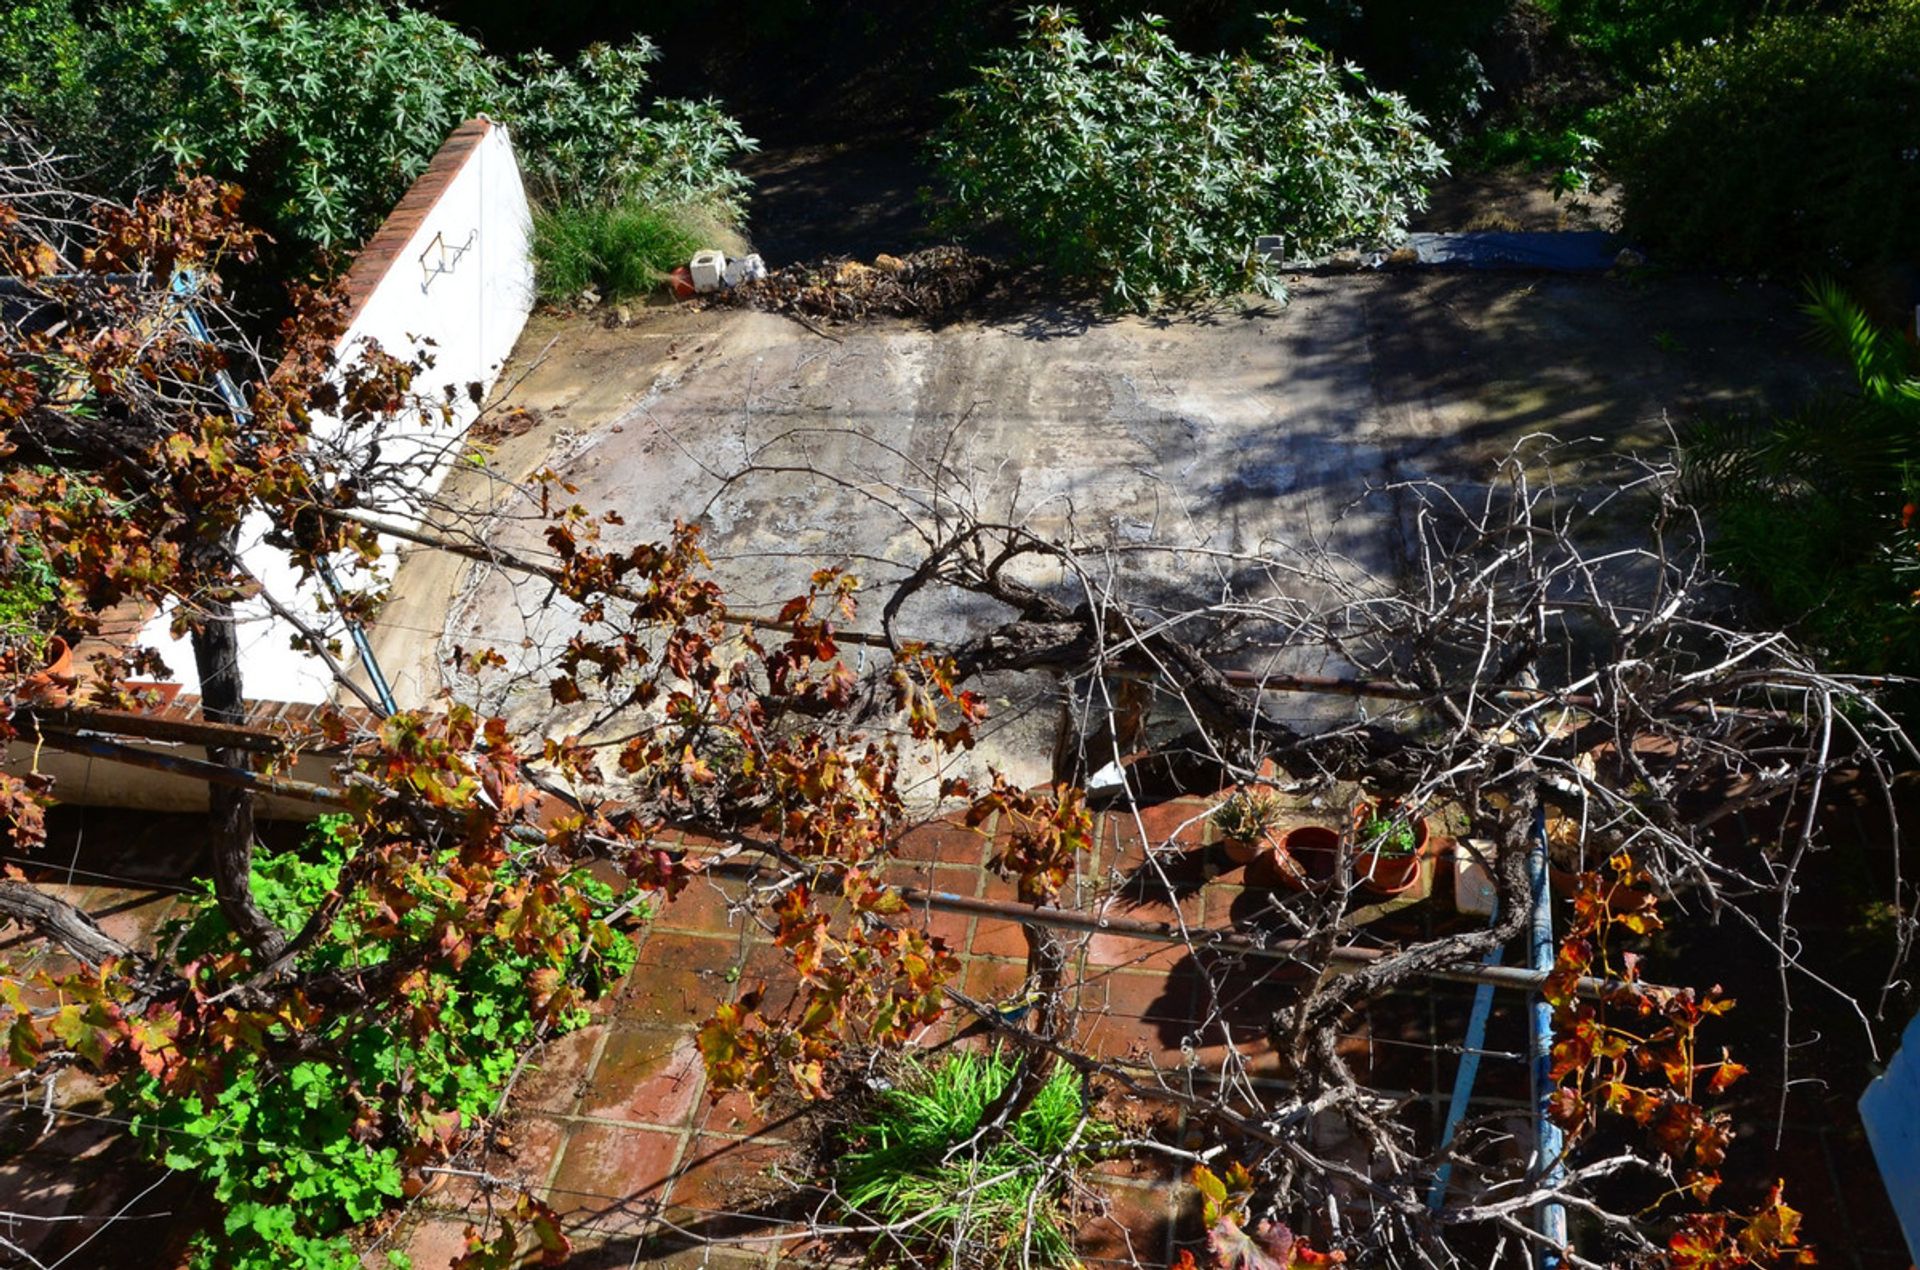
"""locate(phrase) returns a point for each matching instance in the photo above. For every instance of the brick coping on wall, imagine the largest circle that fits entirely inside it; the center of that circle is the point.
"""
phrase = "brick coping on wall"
(382, 251)
(298, 723)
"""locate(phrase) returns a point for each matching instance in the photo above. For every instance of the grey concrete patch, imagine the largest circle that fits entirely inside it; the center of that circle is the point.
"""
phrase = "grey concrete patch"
(1167, 445)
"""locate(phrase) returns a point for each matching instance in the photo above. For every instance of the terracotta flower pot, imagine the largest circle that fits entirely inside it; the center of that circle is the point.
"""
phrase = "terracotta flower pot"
(1386, 874)
(1367, 810)
(1274, 867)
(1315, 852)
(1244, 850)
(53, 683)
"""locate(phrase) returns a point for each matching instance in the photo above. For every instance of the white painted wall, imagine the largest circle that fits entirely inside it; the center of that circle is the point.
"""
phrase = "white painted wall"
(464, 280)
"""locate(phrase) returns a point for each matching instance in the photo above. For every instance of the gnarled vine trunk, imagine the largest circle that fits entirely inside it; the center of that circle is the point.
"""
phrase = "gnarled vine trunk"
(216, 655)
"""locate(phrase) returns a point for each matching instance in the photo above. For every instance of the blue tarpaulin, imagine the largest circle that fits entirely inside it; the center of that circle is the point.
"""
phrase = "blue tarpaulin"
(1579, 251)
(1891, 1110)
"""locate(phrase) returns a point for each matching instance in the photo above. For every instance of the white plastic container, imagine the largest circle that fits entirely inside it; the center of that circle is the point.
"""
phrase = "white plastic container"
(1474, 887)
(708, 268)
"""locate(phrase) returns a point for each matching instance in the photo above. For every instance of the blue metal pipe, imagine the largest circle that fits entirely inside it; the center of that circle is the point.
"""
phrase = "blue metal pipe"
(1550, 1143)
(1468, 1072)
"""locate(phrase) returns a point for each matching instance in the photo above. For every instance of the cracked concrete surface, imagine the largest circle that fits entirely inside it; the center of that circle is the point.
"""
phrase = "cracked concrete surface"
(1236, 431)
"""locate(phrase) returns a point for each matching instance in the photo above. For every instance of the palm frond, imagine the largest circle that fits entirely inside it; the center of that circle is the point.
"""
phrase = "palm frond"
(1881, 363)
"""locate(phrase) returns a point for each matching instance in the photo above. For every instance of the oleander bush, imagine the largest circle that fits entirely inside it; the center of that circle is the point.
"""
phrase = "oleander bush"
(1149, 171)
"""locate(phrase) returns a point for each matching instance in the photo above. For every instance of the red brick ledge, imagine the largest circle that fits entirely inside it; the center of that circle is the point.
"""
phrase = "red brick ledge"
(376, 260)
(297, 724)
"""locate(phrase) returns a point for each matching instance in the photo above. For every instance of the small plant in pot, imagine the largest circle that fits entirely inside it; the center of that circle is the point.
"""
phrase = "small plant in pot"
(1246, 821)
(1388, 842)
(41, 662)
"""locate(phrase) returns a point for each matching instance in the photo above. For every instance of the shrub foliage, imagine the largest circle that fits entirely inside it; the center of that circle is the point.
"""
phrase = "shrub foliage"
(1150, 171)
(1815, 511)
(1793, 149)
(327, 112)
(296, 1152)
(621, 249)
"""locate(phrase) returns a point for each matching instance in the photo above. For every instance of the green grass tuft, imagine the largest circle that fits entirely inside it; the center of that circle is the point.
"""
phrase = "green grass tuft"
(980, 1207)
(622, 249)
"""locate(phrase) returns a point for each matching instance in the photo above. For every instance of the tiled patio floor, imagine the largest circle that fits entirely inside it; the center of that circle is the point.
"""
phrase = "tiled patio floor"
(614, 1125)
(616, 1129)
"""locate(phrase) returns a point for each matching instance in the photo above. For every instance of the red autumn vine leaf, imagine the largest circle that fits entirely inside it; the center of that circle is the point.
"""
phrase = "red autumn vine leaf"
(1233, 1243)
(1040, 838)
(1646, 1070)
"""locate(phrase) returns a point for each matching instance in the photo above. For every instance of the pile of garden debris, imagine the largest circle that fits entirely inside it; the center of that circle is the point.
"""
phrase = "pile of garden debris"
(939, 283)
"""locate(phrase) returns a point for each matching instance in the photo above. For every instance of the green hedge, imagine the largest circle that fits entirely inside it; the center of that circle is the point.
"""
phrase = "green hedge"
(1794, 149)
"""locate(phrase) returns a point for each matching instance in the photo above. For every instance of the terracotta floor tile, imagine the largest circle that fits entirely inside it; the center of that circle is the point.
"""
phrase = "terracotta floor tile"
(730, 1186)
(944, 841)
(521, 1153)
(769, 971)
(612, 1177)
(1220, 896)
(690, 951)
(557, 1073)
(437, 1242)
(962, 879)
(1130, 999)
(532, 1143)
(647, 1076)
(678, 980)
(955, 928)
(785, 1115)
(1183, 821)
(703, 907)
(1133, 952)
(1189, 1232)
(669, 996)
(995, 887)
(131, 916)
(1126, 1225)
(1152, 892)
(998, 937)
(695, 1258)
(1126, 1036)
(987, 981)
